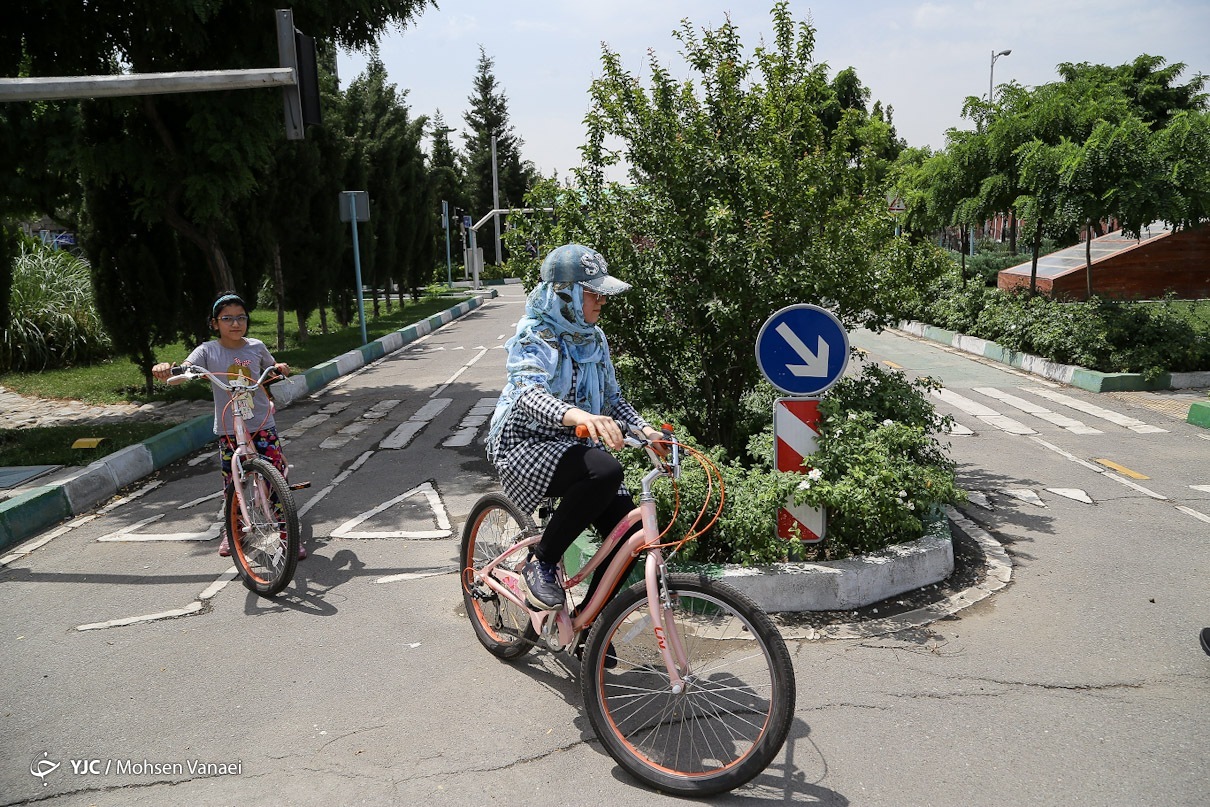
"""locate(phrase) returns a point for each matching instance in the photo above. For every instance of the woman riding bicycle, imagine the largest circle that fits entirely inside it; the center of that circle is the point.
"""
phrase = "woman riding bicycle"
(560, 376)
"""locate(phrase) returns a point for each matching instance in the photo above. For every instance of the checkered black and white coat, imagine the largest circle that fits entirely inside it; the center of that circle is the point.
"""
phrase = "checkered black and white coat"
(534, 439)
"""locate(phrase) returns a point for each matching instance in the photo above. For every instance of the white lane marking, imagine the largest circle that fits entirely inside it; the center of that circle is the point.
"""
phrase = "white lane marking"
(1072, 493)
(987, 415)
(217, 586)
(402, 435)
(37, 543)
(191, 608)
(1134, 425)
(128, 534)
(459, 372)
(340, 477)
(1189, 511)
(405, 432)
(198, 501)
(396, 578)
(380, 409)
(958, 430)
(123, 500)
(300, 428)
(466, 431)
(426, 490)
(431, 409)
(1138, 487)
(200, 458)
(1024, 494)
(1202, 488)
(1103, 471)
(980, 499)
(334, 407)
(1029, 407)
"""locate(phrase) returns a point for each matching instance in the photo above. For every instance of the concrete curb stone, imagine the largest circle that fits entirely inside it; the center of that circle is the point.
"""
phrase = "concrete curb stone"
(1076, 376)
(27, 514)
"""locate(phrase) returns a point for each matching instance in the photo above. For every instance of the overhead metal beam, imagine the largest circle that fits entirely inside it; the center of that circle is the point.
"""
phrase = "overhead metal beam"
(51, 88)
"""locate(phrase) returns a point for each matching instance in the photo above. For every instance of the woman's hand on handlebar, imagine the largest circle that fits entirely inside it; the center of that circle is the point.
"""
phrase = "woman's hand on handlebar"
(601, 428)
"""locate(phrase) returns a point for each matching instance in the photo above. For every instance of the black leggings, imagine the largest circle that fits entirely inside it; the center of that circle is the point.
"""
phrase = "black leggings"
(587, 482)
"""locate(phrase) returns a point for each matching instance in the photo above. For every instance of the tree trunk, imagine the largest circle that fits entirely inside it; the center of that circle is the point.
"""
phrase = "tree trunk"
(1033, 268)
(962, 236)
(302, 327)
(1012, 232)
(1088, 262)
(207, 242)
(323, 319)
(279, 296)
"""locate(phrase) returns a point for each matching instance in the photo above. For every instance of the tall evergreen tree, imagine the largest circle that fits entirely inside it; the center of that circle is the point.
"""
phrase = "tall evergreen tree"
(487, 115)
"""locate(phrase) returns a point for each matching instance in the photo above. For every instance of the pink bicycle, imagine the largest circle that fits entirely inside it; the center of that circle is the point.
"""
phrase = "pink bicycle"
(260, 514)
(685, 679)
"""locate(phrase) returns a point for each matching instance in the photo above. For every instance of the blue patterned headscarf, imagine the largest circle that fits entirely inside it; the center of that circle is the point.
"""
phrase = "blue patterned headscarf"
(552, 339)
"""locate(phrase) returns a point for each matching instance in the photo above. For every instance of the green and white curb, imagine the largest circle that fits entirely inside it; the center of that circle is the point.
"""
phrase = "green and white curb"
(1076, 376)
(30, 513)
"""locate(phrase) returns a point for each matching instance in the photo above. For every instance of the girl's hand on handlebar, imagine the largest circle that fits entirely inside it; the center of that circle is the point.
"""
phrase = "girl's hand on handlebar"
(162, 371)
(601, 428)
(662, 449)
(283, 368)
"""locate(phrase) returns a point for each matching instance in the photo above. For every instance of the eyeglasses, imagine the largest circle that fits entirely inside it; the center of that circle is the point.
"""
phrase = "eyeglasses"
(239, 319)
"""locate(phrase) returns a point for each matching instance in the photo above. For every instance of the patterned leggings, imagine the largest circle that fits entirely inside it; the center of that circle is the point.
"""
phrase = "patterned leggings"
(267, 444)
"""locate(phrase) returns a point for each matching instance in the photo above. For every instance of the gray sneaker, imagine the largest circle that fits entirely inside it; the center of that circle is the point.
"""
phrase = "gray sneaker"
(542, 581)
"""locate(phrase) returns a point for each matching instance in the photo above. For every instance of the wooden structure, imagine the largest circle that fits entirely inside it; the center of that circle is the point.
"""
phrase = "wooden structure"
(1126, 268)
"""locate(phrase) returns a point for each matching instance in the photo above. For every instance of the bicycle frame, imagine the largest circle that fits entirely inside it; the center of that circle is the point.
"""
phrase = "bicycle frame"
(646, 540)
(235, 387)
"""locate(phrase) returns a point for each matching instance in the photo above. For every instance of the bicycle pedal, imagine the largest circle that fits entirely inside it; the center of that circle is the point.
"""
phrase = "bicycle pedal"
(300, 485)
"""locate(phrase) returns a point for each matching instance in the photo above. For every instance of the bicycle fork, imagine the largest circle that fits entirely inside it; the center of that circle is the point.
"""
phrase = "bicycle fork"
(659, 599)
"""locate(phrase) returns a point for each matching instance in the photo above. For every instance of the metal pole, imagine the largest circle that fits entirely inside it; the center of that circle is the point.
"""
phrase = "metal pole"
(496, 198)
(51, 88)
(990, 74)
(361, 306)
(473, 254)
(445, 221)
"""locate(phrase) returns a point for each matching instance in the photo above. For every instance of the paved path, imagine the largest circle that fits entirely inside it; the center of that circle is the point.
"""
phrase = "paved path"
(19, 411)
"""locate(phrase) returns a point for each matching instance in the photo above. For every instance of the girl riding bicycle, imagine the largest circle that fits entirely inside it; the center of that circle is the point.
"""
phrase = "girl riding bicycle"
(234, 353)
(560, 376)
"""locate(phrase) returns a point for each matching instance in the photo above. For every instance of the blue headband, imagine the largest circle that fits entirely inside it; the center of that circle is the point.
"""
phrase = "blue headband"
(222, 301)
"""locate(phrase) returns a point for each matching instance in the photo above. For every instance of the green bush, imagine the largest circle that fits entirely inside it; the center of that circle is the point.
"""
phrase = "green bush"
(878, 470)
(1111, 336)
(54, 321)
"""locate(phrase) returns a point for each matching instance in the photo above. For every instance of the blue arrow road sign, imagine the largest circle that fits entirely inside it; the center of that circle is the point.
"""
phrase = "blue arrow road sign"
(802, 349)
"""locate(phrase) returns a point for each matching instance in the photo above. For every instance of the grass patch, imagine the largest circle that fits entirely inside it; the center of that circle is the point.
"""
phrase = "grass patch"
(51, 445)
(1197, 312)
(119, 380)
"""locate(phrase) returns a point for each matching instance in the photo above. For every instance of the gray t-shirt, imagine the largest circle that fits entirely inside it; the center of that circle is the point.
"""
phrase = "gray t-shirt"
(249, 360)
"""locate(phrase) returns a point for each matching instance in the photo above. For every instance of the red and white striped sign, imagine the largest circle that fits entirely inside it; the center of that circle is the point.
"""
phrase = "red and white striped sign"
(795, 429)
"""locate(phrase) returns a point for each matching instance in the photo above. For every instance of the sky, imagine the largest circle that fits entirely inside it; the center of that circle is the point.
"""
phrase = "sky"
(920, 58)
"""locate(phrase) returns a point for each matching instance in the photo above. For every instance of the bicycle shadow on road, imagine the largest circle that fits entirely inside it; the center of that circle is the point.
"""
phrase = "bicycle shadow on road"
(785, 780)
(313, 580)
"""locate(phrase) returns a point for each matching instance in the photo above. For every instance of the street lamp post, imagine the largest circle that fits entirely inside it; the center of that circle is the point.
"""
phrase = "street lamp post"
(991, 74)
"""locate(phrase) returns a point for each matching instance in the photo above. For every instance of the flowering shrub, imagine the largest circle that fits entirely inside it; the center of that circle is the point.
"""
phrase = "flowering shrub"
(878, 471)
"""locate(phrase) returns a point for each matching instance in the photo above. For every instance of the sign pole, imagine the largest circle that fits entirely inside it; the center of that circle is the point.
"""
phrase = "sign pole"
(361, 306)
(445, 222)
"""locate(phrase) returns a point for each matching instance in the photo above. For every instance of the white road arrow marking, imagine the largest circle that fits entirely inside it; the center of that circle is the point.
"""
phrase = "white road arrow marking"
(975, 497)
(426, 490)
(816, 363)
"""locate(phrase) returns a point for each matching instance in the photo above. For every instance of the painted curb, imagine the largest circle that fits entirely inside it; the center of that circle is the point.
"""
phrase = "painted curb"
(1076, 376)
(1199, 414)
(24, 516)
(840, 585)
(30, 513)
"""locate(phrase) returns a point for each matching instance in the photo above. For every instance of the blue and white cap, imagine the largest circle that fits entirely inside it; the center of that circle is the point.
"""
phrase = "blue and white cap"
(573, 263)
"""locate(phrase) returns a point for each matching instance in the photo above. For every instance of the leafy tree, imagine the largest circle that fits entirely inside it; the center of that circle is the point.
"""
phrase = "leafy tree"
(487, 115)
(186, 161)
(738, 204)
(1183, 148)
(1114, 172)
(1150, 84)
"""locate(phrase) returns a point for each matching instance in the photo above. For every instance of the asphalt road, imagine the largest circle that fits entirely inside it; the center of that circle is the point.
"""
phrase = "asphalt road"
(130, 657)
